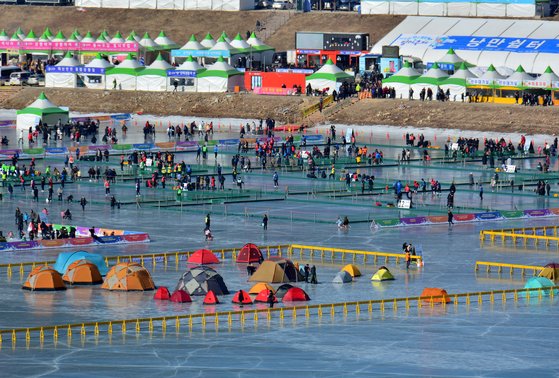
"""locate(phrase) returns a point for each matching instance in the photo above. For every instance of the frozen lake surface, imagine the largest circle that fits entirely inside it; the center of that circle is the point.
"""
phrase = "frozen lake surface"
(499, 340)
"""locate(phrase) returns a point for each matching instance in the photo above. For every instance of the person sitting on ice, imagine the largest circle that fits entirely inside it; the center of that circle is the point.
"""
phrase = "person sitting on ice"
(208, 234)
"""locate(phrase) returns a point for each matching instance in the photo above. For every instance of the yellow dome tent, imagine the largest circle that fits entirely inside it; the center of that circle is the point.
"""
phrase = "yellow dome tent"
(352, 269)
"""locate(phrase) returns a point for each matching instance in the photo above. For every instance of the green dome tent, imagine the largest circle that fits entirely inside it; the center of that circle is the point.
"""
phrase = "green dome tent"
(41, 110)
(328, 76)
(383, 274)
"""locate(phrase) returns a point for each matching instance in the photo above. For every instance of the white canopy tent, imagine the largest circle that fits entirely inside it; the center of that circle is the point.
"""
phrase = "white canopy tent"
(95, 79)
(154, 77)
(546, 80)
(328, 77)
(457, 83)
(187, 74)
(401, 81)
(260, 51)
(124, 75)
(64, 74)
(220, 77)
(41, 110)
(432, 79)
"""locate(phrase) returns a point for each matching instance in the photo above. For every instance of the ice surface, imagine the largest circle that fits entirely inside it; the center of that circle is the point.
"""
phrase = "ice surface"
(515, 339)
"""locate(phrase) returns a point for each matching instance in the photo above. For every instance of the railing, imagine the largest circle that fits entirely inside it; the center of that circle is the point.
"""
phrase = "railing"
(516, 236)
(522, 268)
(240, 317)
(313, 108)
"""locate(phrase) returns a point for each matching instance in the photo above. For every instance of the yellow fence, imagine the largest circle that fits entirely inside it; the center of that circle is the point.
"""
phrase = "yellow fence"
(511, 267)
(287, 250)
(314, 108)
(514, 237)
(239, 318)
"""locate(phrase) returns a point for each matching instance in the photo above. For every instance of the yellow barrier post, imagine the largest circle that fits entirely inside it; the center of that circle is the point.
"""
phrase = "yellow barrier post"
(138, 326)
(96, 329)
(82, 330)
(123, 327)
(191, 323)
(164, 324)
(110, 328)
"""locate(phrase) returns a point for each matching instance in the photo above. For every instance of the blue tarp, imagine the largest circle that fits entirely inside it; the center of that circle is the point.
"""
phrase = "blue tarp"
(66, 258)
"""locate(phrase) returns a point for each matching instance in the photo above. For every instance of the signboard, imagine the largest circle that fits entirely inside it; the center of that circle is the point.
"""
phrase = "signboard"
(79, 70)
(181, 73)
(201, 53)
(306, 71)
(442, 66)
(274, 91)
(478, 43)
(404, 204)
(510, 168)
(70, 46)
(389, 65)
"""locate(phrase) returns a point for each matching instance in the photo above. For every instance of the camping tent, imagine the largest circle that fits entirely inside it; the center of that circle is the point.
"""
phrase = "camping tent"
(180, 296)
(383, 274)
(550, 271)
(282, 289)
(257, 288)
(203, 256)
(128, 276)
(154, 77)
(352, 269)
(125, 74)
(429, 292)
(164, 42)
(328, 77)
(431, 79)
(162, 294)
(342, 277)
(220, 77)
(295, 294)
(82, 272)
(263, 296)
(63, 74)
(246, 298)
(211, 298)
(44, 278)
(94, 72)
(201, 279)
(539, 283)
(456, 84)
(402, 80)
(65, 259)
(41, 110)
(270, 271)
(249, 253)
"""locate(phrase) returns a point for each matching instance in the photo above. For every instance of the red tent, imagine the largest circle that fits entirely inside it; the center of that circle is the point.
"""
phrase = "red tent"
(203, 256)
(295, 294)
(246, 298)
(429, 292)
(263, 296)
(162, 294)
(211, 298)
(249, 253)
(180, 296)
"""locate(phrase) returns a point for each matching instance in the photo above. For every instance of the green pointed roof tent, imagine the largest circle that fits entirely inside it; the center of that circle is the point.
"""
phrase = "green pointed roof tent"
(73, 38)
(159, 67)
(193, 44)
(149, 44)
(516, 80)
(208, 41)
(44, 38)
(30, 36)
(101, 39)
(43, 109)
(20, 33)
(15, 37)
(460, 76)
(220, 69)
(546, 80)
(225, 37)
(329, 71)
(134, 36)
(88, 37)
(165, 42)
(117, 38)
(191, 64)
(491, 76)
(59, 37)
(47, 32)
(240, 44)
(77, 33)
(433, 76)
(452, 58)
(129, 66)
(105, 34)
(406, 75)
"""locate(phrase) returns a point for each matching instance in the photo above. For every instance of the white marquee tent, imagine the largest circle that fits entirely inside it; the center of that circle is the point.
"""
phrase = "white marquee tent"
(41, 110)
(154, 77)
(124, 75)
(456, 84)
(220, 77)
(402, 80)
(96, 79)
(61, 79)
(429, 38)
(328, 77)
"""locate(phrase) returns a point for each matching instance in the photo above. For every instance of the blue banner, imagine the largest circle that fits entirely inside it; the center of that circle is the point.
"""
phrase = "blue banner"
(201, 53)
(442, 66)
(81, 70)
(181, 73)
(56, 150)
(121, 117)
(518, 45)
(109, 239)
(491, 215)
(143, 146)
(228, 141)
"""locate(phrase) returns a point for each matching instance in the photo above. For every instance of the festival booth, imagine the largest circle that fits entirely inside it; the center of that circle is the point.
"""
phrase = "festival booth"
(450, 61)
(150, 48)
(260, 52)
(223, 49)
(208, 42)
(155, 76)
(329, 77)
(457, 83)
(41, 110)
(220, 77)
(431, 79)
(64, 74)
(401, 81)
(93, 75)
(548, 81)
(124, 75)
(483, 88)
(187, 75)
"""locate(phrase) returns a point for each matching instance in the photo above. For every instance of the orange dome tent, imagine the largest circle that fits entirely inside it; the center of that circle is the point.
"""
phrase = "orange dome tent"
(203, 256)
(550, 271)
(44, 278)
(429, 293)
(128, 276)
(249, 253)
(246, 298)
(257, 288)
(263, 296)
(180, 296)
(352, 269)
(82, 272)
